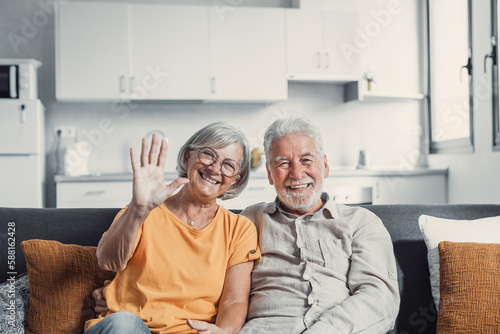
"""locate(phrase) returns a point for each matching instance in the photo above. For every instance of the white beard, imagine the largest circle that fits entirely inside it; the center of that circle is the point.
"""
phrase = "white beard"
(300, 202)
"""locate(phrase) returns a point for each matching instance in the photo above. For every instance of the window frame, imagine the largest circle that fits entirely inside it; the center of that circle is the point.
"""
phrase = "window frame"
(459, 145)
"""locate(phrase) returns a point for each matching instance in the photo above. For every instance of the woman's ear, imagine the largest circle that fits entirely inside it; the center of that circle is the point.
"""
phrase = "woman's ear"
(187, 154)
(235, 180)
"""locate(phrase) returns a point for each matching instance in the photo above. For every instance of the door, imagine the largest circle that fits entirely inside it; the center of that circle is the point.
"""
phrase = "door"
(169, 52)
(247, 59)
(338, 30)
(304, 41)
(21, 153)
(92, 51)
(21, 181)
(20, 126)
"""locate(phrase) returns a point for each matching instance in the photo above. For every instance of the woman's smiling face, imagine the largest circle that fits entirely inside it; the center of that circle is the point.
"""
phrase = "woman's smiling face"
(209, 181)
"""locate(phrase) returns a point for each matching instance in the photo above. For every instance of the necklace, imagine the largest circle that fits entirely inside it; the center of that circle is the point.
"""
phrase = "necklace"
(191, 222)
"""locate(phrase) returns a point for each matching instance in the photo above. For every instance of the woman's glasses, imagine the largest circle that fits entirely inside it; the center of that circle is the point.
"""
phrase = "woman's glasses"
(208, 157)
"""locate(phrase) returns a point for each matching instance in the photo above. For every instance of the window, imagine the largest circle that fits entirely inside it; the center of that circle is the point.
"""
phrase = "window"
(494, 72)
(450, 76)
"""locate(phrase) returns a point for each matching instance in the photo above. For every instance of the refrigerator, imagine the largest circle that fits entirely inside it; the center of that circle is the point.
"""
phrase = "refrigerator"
(22, 154)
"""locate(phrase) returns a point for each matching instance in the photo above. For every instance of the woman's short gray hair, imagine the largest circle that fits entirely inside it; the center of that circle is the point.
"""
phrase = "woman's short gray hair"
(218, 135)
(291, 125)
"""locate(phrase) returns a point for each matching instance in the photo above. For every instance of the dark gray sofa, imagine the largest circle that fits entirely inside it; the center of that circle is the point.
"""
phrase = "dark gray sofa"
(417, 312)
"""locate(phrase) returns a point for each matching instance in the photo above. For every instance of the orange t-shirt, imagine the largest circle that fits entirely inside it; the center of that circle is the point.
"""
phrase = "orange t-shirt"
(177, 272)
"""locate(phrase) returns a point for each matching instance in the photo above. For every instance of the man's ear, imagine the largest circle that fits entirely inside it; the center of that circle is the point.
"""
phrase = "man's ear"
(269, 177)
(327, 168)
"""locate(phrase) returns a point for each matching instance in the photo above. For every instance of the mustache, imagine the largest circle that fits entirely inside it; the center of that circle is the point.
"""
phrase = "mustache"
(304, 180)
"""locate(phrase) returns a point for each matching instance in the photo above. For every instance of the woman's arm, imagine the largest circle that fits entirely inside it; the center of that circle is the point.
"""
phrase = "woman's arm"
(233, 306)
(149, 191)
(116, 245)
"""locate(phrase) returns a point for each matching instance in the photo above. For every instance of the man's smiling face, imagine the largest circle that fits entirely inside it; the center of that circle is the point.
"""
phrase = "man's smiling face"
(297, 171)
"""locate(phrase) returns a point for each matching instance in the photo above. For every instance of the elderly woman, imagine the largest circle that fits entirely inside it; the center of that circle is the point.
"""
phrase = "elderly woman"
(183, 262)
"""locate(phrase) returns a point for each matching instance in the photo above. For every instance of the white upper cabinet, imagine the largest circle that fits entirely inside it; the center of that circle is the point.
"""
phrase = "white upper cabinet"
(304, 36)
(92, 51)
(338, 28)
(247, 54)
(314, 45)
(169, 52)
(107, 51)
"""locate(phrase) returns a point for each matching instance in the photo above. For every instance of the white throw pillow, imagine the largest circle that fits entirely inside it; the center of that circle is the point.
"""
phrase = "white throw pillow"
(435, 230)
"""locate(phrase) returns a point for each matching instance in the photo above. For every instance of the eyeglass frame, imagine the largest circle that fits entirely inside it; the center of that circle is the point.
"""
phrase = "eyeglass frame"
(215, 160)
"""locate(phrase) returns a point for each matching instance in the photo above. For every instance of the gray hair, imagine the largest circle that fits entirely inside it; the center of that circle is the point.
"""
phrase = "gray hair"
(219, 135)
(292, 125)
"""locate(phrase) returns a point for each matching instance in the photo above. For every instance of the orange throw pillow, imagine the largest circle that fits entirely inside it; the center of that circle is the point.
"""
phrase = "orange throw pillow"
(61, 280)
(470, 288)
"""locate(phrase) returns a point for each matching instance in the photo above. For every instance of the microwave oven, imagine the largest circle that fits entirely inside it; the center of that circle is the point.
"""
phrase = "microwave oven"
(18, 79)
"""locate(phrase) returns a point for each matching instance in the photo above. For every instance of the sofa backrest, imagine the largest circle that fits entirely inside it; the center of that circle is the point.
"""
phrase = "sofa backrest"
(417, 312)
(70, 226)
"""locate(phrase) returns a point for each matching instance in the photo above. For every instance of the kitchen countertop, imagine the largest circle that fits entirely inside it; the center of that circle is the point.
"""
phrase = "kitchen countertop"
(335, 171)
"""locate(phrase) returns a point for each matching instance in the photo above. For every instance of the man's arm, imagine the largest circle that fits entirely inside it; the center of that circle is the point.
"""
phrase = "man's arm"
(373, 304)
(101, 306)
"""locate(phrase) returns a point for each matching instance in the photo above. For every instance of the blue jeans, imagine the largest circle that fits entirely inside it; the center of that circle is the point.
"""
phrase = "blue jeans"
(119, 323)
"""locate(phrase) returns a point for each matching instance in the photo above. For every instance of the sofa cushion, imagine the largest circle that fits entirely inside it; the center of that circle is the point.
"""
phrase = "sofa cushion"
(470, 288)
(435, 230)
(61, 280)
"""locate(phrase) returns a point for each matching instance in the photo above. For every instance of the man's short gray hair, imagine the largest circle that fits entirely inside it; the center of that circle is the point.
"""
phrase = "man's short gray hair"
(292, 125)
(218, 135)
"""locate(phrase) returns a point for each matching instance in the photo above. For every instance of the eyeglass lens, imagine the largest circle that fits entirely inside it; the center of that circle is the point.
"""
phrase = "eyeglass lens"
(208, 157)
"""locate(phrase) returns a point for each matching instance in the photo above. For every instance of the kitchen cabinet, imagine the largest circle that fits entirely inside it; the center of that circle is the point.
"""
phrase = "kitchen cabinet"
(139, 52)
(169, 52)
(258, 190)
(165, 52)
(92, 51)
(314, 40)
(428, 189)
(100, 194)
(247, 54)
(346, 186)
(398, 188)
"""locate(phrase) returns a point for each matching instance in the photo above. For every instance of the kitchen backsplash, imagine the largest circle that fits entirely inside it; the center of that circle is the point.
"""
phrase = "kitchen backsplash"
(388, 132)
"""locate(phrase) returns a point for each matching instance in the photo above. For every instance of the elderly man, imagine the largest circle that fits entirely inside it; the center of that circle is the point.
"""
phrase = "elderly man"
(325, 267)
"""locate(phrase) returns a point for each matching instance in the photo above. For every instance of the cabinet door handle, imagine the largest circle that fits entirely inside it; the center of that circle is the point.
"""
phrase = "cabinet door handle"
(213, 85)
(377, 191)
(327, 58)
(95, 193)
(23, 113)
(122, 84)
(318, 58)
(132, 84)
(256, 188)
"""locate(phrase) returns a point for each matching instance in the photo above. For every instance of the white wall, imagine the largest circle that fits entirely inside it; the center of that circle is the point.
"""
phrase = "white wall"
(389, 131)
(475, 178)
